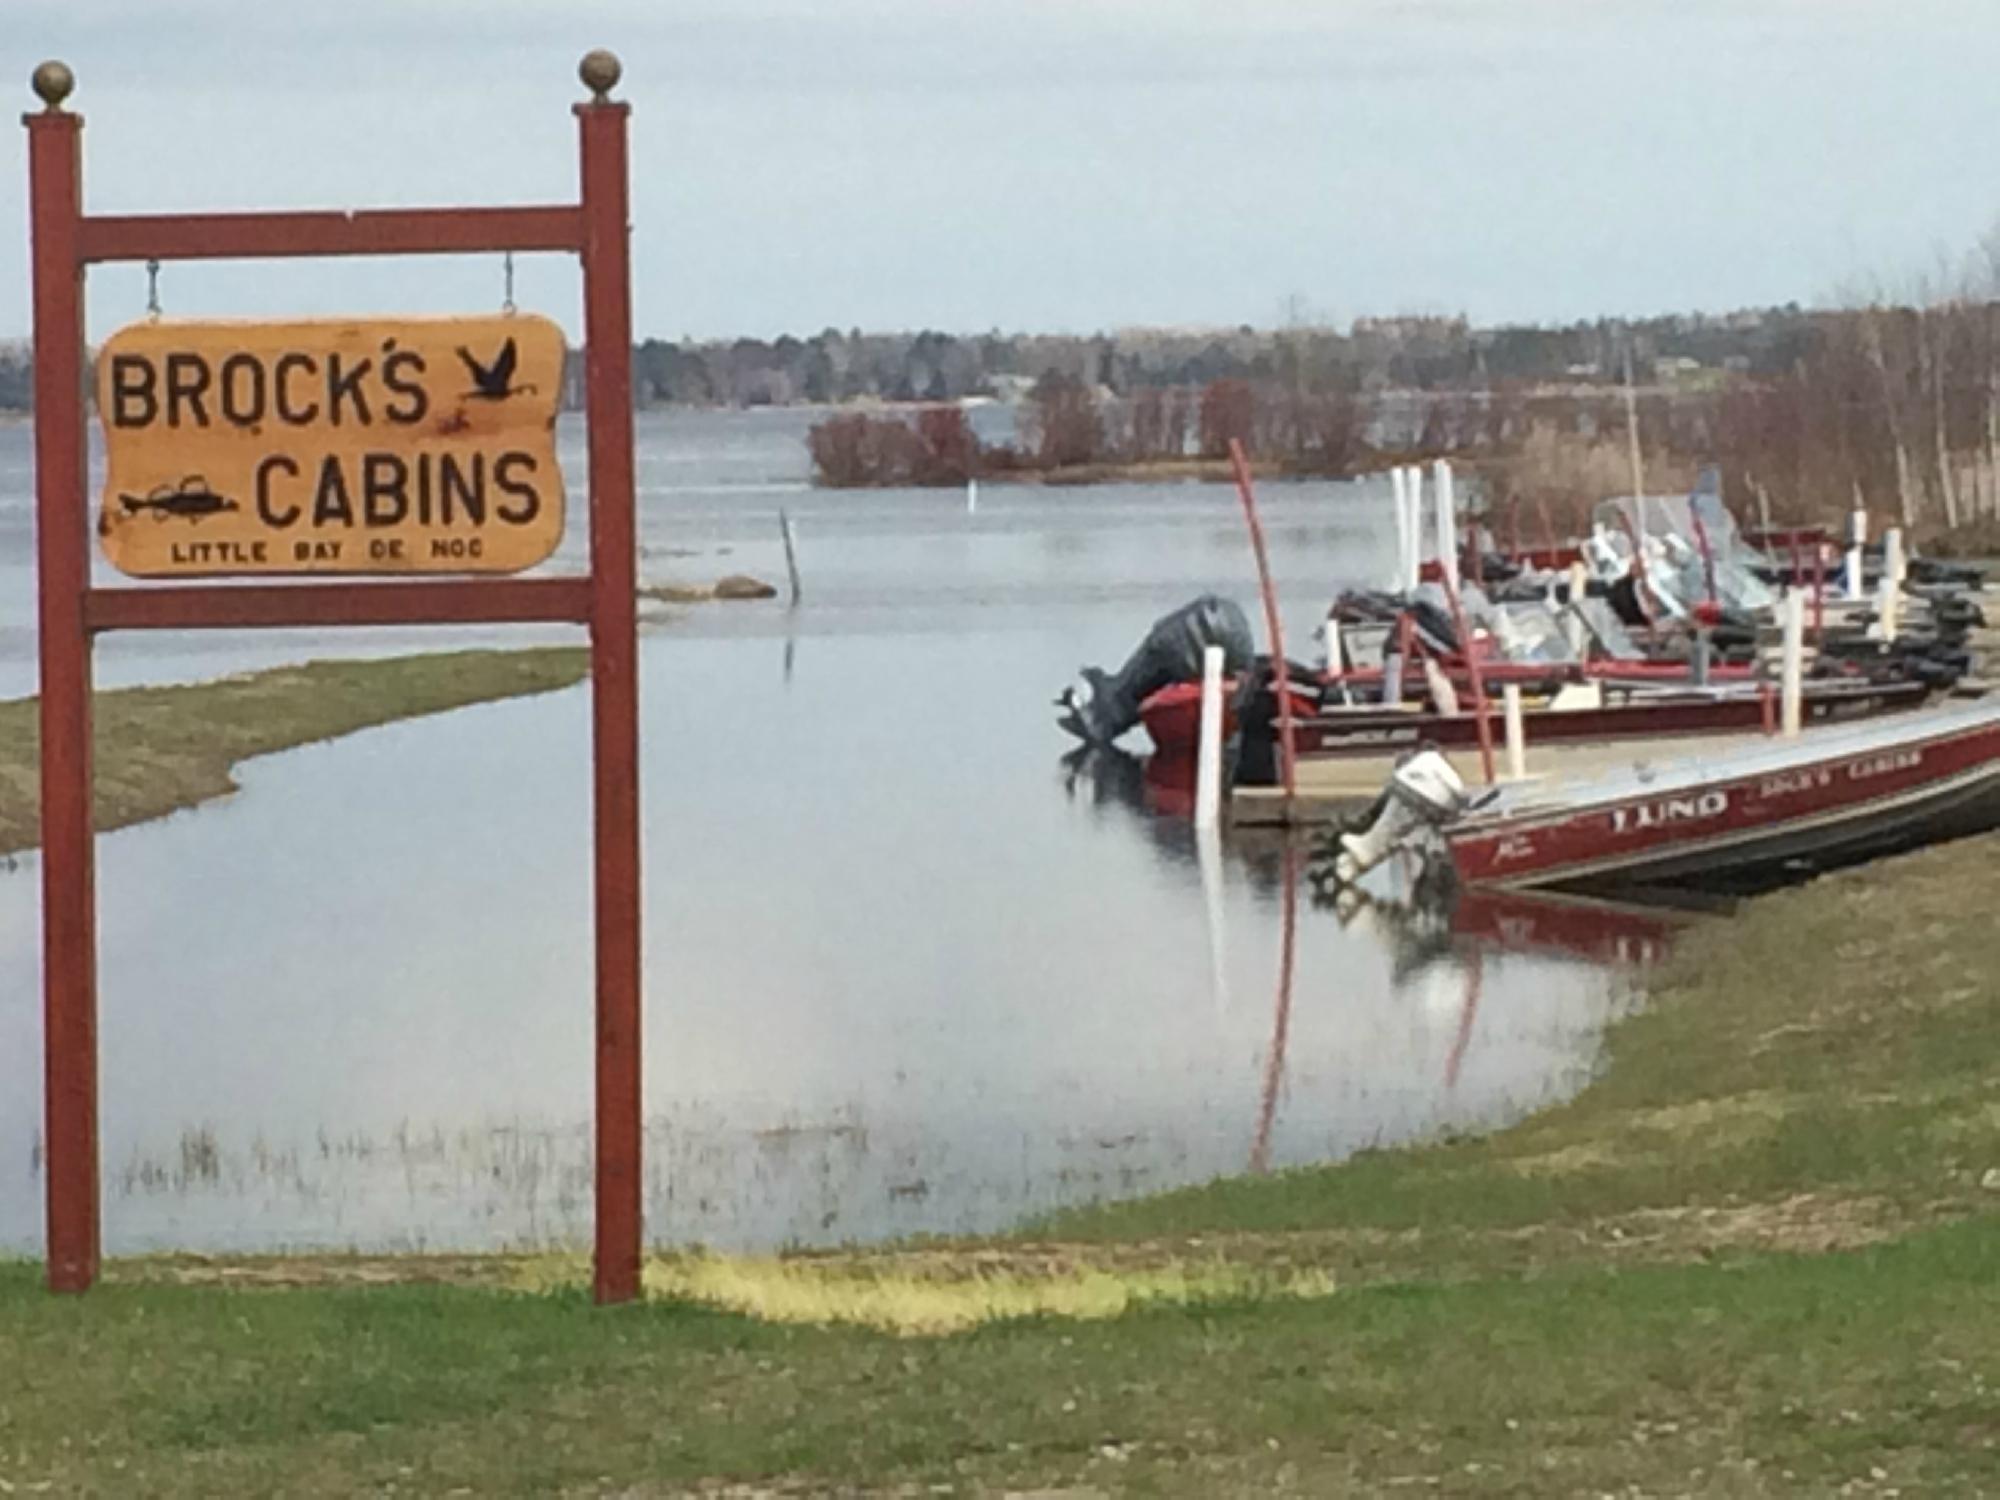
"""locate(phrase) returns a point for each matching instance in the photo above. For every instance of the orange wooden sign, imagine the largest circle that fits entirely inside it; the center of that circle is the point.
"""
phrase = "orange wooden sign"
(331, 446)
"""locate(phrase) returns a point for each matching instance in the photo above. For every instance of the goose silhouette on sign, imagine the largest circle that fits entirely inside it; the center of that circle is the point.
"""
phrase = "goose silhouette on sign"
(494, 382)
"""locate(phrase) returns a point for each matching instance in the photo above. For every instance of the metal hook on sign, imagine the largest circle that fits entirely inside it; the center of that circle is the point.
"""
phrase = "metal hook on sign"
(507, 301)
(153, 289)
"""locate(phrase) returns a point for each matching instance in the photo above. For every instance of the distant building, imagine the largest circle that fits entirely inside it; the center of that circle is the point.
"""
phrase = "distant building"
(1013, 389)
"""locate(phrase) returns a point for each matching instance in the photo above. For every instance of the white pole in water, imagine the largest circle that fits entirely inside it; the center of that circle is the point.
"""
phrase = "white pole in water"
(971, 496)
(1413, 496)
(1447, 542)
(1857, 538)
(1208, 765)
(1793, 681)
(1892, 582)
(1398, 500)
(1517, 732)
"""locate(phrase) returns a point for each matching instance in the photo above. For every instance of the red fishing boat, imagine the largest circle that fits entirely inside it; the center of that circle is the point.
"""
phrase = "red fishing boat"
(1769, 805)
(1650, 715)
(1659, 708)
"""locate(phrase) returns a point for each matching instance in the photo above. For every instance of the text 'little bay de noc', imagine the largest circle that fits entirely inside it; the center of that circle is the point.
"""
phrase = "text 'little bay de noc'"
(420, 445)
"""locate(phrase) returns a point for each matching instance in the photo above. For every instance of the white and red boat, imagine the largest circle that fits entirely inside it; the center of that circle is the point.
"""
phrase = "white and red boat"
(1827, 797)
(1172, 716)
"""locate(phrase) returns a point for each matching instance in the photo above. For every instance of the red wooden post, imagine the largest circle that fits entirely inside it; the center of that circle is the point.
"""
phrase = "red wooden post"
(69, 938)
(607, 332)
(1288, 755)
(1482, 720)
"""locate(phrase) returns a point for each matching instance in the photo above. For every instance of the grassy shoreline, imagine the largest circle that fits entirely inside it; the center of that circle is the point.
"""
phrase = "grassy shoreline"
(162, 749)
(1757, 1257)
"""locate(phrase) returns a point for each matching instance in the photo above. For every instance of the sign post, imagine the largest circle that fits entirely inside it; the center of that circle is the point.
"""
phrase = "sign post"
(265, 449)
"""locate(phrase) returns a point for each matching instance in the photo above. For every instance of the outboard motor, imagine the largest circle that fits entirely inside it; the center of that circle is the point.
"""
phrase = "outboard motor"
(1424, 792)
(1102, 706)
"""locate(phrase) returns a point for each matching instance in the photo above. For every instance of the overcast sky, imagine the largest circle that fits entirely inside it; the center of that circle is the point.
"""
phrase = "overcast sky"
(1056, 164)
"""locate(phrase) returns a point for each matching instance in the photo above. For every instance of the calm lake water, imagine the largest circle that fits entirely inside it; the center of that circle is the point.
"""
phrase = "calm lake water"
(906, 970)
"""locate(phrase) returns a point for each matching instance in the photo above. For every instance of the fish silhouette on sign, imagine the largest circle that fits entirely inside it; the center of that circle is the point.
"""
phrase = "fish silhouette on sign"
(191, 499)
(495, 381)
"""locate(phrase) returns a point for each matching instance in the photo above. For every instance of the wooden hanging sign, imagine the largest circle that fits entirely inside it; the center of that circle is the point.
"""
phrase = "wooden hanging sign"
(414, 445)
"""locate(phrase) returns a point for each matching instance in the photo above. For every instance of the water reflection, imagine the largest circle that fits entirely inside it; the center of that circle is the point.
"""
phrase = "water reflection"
(897, 980)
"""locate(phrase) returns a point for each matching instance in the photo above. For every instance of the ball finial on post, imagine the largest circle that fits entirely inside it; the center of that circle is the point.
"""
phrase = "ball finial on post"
(53, 82)
(600, 71)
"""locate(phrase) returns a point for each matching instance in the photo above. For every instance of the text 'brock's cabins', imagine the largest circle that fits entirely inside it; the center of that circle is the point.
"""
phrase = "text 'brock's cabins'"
(421, 445)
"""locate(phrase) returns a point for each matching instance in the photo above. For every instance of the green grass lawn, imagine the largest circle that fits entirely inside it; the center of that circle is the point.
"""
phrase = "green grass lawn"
(1777, 1371)
(1757, 1257)
(164, 748)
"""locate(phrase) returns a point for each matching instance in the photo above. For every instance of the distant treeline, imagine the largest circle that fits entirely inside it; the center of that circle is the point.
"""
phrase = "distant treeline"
(1805, 411)
(1807, 414)
(1418, 353)
(1427, 353)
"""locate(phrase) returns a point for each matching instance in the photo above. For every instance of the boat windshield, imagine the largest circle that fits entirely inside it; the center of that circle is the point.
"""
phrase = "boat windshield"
(1685, 537)
(1604, 632)
(1528, 631)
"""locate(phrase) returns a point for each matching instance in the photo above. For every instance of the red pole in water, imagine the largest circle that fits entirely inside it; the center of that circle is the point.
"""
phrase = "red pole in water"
(1482, 720)
(1475, 981)
(1281, 1028)
(1287, 750)
(62, 550)
(1707, 552)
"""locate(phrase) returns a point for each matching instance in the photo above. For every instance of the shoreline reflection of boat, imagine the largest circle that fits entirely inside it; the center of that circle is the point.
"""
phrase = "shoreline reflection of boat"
(1610, 932)
(1441, 923)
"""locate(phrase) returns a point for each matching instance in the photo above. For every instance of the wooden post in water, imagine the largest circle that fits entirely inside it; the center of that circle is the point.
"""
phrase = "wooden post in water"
(791, 551)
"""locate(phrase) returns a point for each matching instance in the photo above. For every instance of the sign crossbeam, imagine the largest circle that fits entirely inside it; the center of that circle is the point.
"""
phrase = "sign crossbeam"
(331, 232)
(514, 601)
(71, 611)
